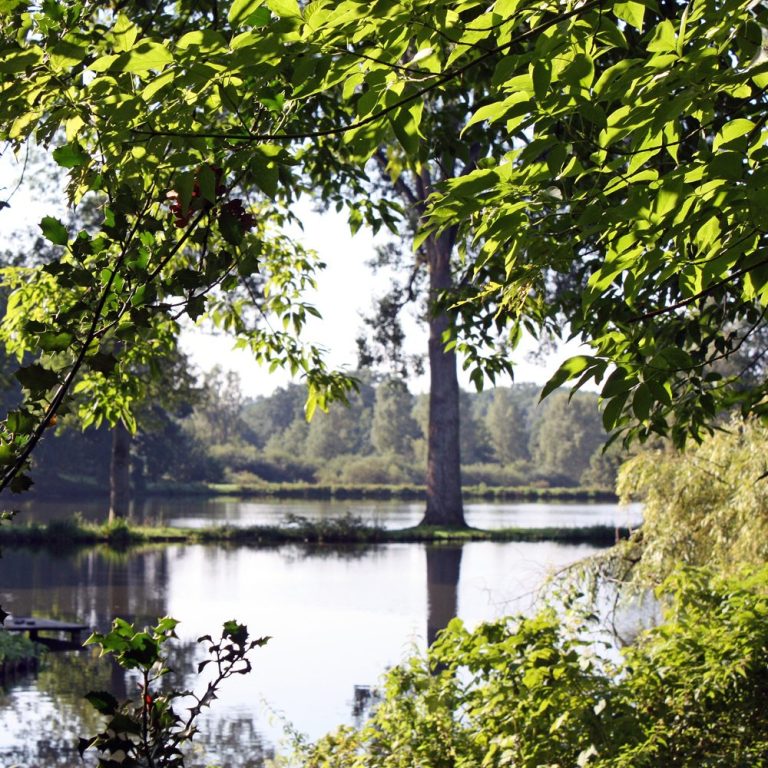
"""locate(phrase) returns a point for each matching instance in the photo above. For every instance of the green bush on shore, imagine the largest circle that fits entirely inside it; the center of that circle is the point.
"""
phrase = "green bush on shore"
(15, 647)
(535, 691)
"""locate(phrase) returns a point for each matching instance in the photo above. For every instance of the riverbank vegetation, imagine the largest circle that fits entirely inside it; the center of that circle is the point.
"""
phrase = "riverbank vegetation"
(512, 448)
(533, 691)
(15, 646)
(341, 530)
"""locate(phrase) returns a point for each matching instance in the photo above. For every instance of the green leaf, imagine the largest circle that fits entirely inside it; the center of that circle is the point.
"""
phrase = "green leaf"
(71, 155)
(51, 341)
(570, 369)
(102, 701)
(54, 231)
(103, 362)
(36, 378)
(7, 454)
(19, 61)
(145, 56)
(241, 10)
(66, 53)
(613, 410)
(230, 227)
(632, 12)
(125, 33)
(196, 307)
(542, 75)
(285, 9)
(202, 40)
(206, 178)
(641, 401)
(20, 421)
(733, 130)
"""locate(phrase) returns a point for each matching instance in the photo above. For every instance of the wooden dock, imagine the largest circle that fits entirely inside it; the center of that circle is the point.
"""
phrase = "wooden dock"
(33, 626)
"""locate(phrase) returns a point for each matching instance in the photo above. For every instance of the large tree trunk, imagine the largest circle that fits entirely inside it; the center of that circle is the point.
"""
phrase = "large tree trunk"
(444, 504)
(120, 472)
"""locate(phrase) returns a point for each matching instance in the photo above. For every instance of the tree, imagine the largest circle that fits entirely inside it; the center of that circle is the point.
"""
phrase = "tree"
(271, 415)
(566, 436)
(636, 182)
(393, 428)
(406, 158)
(176, 237)
(342, 430)
(705, 506)
(600, 162)
(505, 421)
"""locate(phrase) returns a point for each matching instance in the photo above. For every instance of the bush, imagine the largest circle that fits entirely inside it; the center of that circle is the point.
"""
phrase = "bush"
(527, 692)
(496, 475)
(365, 470)
(15, 647)
(242, 459)
(706, 506)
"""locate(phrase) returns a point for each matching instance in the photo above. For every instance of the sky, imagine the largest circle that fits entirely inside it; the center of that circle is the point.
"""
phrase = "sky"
(345, 292)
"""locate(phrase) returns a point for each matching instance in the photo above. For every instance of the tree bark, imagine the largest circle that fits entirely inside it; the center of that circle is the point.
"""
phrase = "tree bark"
(444, 502)
(120, 472)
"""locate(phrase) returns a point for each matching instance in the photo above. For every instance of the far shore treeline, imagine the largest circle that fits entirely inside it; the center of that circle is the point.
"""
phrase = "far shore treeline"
(214, 434)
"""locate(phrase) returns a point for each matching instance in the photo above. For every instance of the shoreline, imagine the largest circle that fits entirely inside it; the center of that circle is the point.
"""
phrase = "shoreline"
(313, 492)
(341, 531)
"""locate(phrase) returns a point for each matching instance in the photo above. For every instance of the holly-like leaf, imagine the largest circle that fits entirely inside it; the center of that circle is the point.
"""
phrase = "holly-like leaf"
(71, 155)
(36, 378)
(20, 421)
(54, 231)
(102, 701)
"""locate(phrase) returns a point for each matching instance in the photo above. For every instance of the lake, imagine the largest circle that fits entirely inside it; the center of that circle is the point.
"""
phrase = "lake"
(198, 512)
(338, 617)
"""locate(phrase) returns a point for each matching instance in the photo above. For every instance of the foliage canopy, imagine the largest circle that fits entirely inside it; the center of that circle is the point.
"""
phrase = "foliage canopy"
(706, 505)
(622, 194)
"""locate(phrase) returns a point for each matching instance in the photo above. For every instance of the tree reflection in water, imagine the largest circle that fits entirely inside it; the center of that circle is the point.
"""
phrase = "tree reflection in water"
(443, 569)
(443, 572)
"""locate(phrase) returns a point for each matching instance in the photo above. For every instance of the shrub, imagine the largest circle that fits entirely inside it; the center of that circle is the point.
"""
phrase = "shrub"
(15, 646)
(527, 692)
(365, 470)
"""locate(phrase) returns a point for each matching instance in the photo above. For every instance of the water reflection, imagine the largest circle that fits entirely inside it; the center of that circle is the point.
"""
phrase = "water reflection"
(338, 616)
(197, 512)
(443, 567)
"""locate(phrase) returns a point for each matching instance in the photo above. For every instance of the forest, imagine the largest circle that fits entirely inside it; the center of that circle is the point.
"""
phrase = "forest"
(555, 170)
(219, 436)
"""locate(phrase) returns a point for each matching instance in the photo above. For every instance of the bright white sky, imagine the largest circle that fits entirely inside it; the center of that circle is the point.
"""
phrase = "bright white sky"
(346, 289)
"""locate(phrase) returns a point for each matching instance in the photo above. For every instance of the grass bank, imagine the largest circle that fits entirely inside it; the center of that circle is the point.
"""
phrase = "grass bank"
(344, 530)
(312, 491)
(85, 488)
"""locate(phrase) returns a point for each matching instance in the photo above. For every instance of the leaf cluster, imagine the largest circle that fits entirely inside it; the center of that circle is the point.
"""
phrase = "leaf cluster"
(533, 691)
(150, 733)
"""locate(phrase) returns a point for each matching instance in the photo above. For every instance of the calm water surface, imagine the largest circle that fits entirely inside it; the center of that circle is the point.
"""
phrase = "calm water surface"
(196, 512)
(338, 617)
